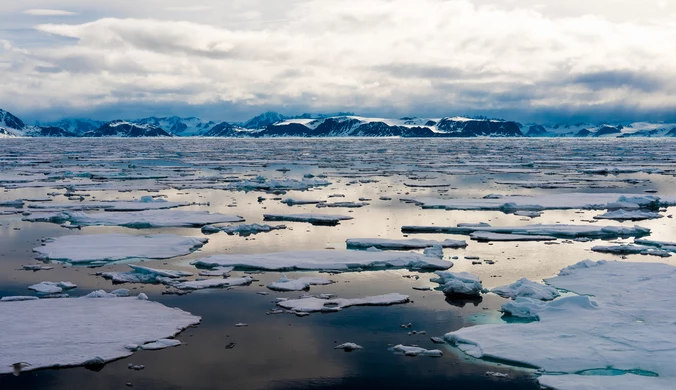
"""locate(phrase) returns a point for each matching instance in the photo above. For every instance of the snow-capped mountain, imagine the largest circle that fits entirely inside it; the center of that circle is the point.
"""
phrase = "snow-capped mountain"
(10, 125)
(636, 129)
(77, 126)
(272, 124)
(48, 131)
(263, 120)
(126, 129)
(6, 133)
(355, 126)
(185, 127)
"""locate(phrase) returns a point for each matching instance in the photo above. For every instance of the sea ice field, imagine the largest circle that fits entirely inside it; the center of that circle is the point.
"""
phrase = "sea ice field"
(337, 263)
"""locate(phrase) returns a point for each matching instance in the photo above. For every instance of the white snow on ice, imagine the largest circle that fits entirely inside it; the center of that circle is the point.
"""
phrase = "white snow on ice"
(623, 324)
(69, 331)
(116, 247)
(324, 260)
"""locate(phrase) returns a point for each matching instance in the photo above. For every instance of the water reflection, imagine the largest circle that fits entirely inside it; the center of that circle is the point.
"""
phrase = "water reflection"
(288, 352)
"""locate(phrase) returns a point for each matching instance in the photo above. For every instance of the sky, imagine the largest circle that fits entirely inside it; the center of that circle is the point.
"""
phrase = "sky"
(545, 61)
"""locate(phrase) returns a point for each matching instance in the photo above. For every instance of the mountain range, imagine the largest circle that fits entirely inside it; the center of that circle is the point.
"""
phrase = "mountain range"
(272, 124)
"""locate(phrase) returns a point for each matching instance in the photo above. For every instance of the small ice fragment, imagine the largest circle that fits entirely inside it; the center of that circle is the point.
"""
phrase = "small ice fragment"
(160, 344)
(459, 283)
(417, 351)
(348, 347)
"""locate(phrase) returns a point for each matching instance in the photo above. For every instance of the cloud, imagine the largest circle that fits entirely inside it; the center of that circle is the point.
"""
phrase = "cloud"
(369, 56)
(189, 8)
(48, 12)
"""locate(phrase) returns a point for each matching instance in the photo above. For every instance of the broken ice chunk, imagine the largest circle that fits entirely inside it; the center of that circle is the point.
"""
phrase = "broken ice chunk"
(315, 219)
(214, 283)
(115, 247)
(405, 244)
(325, 260)
(286, 284)
(348, 347)
(312, 304)
(526, 288)
(416, 351)
(458, 283)
(51, 287)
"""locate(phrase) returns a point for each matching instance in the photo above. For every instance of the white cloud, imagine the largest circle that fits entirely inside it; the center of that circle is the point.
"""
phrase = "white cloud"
(400, 55)
(189, 8)
(48, 12)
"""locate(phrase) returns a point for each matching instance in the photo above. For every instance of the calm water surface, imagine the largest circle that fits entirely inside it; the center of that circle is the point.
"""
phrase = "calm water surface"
(289, 352)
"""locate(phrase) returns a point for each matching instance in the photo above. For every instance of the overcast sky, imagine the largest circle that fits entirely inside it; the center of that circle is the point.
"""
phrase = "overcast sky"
(546, 61)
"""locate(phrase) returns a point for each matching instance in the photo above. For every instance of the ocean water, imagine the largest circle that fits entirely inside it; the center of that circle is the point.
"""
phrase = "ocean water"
(288, 352)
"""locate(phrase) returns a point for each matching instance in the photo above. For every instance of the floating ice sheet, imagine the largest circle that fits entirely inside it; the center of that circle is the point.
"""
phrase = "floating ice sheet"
(243, 229)
(561, 201)
(140, 274)
(404, 244)
(526, 288)
(458, 283)
(489, 236)
(622, 325)
(324, 260)
(557, 230)
(214, 283)
(315, 219)
(142, 219)
(312, 304)
(69, 331)
(631, 250)
(286, 284)
(629, 215)
(144, 203)
(116, 247)
(416, 351)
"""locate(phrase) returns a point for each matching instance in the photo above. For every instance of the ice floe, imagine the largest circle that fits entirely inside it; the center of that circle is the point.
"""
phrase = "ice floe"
(286, 284)
(348, 347)
(557, 230)
(313, 304)
(526, 288)
(141, 219)
(404, 244)
(51, 287)
(458, 283)
(12, 203)
(144, 203)
(315, 219)
(324, 260)
(71, 331)
(294, 202)
(16, 298)
(665, 245)
(140, 274)
(214, 283)
(416, 351)
(116, 247)
(242, 230)
(218, 271)
(263, 184)
(561, 201)
(631, 250)
(489, 236)
(159, 344)
(618, 334)
(629, 215)
(349, 205)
